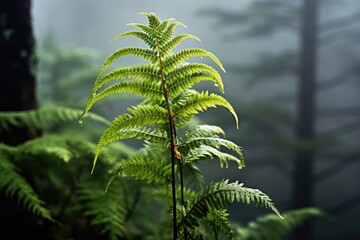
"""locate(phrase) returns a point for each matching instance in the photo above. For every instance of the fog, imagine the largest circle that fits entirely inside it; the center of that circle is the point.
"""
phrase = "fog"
(91, 24)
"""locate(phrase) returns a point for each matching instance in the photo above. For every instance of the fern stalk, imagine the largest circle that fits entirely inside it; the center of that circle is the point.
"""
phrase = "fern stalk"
(172, 137)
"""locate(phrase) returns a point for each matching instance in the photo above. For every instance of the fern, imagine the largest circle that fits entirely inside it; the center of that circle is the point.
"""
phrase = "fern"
(146, 169)
(166, 82)
(217, 224)
(219, 195)
(204, 142)
(270, 227)
(105, 210)
(15, 186)
(44, 117)
(61, 180)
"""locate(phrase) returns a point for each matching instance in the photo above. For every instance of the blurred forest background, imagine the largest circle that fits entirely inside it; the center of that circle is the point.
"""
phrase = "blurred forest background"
(293, 76)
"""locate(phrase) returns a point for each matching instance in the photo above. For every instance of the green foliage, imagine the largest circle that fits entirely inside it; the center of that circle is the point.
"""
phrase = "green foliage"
(170, 102)
(44, 117)
(219, 195)
(270, 227)
(48, 178)
(13, 184)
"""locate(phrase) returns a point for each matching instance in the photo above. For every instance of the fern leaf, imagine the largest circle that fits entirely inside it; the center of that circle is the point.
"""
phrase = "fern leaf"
(153, 20)
(270, 226)
(164, 24)
(146, 29)
(45, 117)
(194, 68)
(107, 211)
(147, 54)
(140, 35)
(145, 169)
(218, 195)
(206, 152)
(171, 61)
(168, 32)
(14, 185)
(203, 130)
(201, 142)
(132, 132)
(194, 175)
(175, 41)
(198, 102)
(140, 115)
(145, 72)
(186, 82)
(216, 224)
(139, 87)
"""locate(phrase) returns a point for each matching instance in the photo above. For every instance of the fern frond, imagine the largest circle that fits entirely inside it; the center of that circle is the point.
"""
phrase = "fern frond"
(139, 116)
(164, 24)
(168, 32)
(190, 68)
(204, 142)
(140, 35)
(144, 72)
(150, 134)
(199, 102)
(153, 20)
(270, 226)
(108, 211)
(193, 175)
(173, 60)
(45, 117)
(217, 224)
(144, 53)
(15, 186)
(145, 28)
(218, 195)
(203, 130)
(145, 169)
(206, 152)
(186, 82)
(138, 87)
(175, 41)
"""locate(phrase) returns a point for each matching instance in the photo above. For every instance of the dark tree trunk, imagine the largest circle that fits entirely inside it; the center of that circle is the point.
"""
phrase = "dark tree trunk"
(305, 128)
(17, 65)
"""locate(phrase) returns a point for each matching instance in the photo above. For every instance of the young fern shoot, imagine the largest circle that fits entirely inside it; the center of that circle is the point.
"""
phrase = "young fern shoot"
(166, 82)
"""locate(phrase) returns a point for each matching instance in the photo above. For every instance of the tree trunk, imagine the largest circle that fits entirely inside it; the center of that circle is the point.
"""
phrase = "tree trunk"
(305, 128)
(17, 65)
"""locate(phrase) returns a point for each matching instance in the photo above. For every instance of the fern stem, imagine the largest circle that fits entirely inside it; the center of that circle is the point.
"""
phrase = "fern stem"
(172, 139)
(182, 193)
